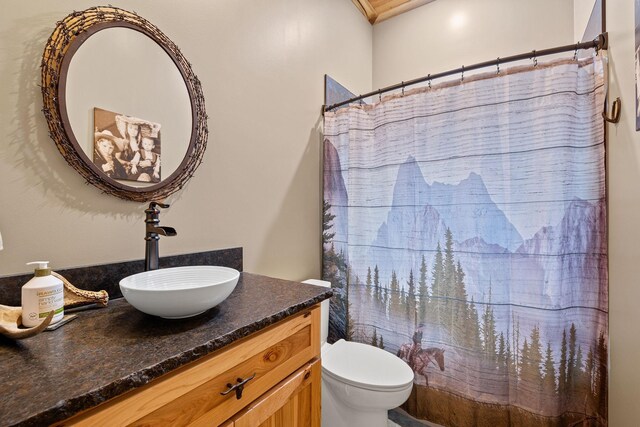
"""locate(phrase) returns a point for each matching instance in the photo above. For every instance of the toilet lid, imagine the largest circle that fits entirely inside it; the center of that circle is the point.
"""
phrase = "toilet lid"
(366, 366)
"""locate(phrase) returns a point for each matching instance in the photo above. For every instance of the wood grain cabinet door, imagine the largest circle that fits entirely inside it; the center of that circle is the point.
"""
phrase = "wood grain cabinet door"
(294, 402)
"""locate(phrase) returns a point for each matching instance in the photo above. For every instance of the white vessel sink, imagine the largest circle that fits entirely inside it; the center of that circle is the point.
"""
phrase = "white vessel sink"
(179, 292)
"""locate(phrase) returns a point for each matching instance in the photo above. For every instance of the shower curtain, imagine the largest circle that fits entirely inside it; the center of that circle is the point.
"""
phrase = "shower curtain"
(464, 230)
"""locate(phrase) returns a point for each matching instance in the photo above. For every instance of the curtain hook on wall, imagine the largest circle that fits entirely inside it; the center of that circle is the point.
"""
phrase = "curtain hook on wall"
(462, 74)
(615, 112)
(498, 65)
(535, 59)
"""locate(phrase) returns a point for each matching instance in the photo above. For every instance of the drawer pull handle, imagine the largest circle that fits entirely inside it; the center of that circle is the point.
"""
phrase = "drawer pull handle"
(238, 388)
(307, 314)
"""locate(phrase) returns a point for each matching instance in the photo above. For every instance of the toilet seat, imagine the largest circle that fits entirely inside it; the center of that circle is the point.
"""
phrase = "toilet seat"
(366, 367)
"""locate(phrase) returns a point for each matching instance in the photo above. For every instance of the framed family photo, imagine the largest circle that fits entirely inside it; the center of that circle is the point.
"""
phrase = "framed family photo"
(125, 147)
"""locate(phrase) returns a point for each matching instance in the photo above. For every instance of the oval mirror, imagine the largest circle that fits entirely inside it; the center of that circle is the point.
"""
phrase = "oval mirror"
(122, 103)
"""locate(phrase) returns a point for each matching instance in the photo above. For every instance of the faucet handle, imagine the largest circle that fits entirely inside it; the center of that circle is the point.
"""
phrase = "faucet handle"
(153, 205)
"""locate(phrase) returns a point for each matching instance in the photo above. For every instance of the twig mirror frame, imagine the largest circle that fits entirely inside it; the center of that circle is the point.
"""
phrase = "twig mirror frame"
(65, 40)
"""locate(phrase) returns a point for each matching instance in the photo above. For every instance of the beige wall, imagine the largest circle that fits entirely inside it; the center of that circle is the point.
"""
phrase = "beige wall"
(446, 34)
(261, 65)
(623, 172)
(581, 14)
(404, 49)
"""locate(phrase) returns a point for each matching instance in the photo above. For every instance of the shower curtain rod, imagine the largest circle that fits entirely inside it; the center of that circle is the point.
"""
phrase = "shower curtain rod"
(600, 42)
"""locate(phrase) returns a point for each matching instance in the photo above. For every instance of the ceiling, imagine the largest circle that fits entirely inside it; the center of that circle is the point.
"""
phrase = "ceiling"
(379, 10)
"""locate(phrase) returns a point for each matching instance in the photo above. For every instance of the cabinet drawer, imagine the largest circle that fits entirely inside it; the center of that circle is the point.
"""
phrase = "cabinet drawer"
(295, 402)
(191, 395)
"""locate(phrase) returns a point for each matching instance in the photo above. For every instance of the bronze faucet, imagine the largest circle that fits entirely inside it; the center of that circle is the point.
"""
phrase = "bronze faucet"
(154, 231)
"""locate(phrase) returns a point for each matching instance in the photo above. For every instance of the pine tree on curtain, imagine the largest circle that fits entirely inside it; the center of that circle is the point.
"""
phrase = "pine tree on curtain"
(465, 230)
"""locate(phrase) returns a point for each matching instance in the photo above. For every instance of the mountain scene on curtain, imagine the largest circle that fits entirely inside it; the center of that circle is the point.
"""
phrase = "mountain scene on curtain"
(497, 323)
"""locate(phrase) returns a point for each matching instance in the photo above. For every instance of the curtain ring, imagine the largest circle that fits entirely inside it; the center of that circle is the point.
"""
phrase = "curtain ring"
(462, 74)
(575, 53)
(429, 80)
(402, 88)
(498, 65)
(379, 95)
(535, 59)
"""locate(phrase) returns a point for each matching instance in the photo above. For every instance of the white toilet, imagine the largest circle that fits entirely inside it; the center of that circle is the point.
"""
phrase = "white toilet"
(360, 383)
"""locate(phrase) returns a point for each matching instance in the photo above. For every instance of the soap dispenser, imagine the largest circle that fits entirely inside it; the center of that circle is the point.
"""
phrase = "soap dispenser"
(41, 295)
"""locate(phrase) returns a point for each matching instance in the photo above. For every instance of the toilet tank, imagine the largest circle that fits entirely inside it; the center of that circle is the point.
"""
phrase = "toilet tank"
(324, 310)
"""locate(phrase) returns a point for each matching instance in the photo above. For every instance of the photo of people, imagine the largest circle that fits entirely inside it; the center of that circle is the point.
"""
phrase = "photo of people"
(126, 147)
(104, 155)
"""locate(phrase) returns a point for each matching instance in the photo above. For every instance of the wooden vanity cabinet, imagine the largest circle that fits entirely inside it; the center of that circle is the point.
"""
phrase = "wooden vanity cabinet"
(284, 391)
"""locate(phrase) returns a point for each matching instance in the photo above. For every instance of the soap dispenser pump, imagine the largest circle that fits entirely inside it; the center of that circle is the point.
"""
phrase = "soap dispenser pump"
(41, 295)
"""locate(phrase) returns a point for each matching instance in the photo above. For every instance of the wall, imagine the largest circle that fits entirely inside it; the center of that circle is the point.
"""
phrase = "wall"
(406, 47)
(444, 35)
(581, 13)
(623, 173)
(261, 65)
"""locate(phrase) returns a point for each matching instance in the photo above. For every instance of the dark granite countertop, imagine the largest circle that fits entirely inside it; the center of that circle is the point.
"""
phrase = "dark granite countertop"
(106, 352)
